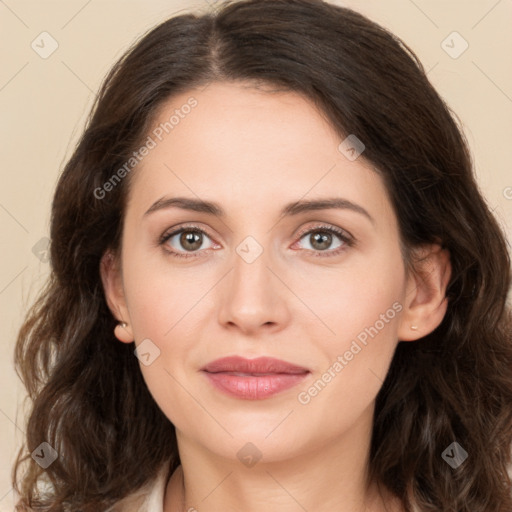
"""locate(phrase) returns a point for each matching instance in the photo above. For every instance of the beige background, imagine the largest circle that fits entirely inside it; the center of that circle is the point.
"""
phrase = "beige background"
(43, 104)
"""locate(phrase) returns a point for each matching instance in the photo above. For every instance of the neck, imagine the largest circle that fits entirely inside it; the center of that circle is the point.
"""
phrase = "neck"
(329, 477)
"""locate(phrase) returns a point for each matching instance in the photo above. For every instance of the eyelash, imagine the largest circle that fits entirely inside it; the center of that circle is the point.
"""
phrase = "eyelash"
(348, 240)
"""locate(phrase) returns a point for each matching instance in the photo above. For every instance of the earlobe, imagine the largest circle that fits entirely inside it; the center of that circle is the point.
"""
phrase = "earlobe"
(123, 332)
(425, 302)
(114, 296)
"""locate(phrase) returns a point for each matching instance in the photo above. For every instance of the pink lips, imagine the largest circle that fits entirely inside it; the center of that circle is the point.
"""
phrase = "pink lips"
(253, 379)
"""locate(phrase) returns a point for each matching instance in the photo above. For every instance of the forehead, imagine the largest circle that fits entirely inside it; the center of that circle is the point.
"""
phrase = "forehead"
(238, 145)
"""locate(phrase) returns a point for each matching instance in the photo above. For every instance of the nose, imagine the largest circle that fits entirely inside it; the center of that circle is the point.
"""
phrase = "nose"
(253, 296)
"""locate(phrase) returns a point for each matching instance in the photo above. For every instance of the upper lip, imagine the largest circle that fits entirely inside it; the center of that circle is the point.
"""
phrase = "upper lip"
(263, 365)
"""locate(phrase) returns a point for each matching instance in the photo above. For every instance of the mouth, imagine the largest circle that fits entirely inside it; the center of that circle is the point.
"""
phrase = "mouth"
(253, 379)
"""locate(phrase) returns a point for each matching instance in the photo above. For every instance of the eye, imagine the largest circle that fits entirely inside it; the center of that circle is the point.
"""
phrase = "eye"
(321, 238)
(190, 239)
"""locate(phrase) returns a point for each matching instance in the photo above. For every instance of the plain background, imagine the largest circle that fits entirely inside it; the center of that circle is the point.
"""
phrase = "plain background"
(44, 102)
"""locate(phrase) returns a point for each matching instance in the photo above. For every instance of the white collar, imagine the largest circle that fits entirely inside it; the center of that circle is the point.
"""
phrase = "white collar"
(155, 499)
(149, 498)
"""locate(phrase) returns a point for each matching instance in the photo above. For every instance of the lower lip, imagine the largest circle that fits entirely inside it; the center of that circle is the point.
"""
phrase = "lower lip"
(254, 387)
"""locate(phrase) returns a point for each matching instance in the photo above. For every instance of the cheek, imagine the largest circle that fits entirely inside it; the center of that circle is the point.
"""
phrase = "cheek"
(361, 304)
(364, 303)
(160, 295)
(355, 295)
(354, 362)
(161, 305)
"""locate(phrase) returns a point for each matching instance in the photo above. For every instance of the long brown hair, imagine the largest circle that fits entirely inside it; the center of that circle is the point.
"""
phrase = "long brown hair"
(89, 400)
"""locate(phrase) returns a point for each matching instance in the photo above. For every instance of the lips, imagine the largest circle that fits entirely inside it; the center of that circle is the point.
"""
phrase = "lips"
(253, 379)
(258, 366)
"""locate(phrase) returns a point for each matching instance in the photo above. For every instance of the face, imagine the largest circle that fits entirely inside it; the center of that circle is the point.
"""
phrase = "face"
(322, 289)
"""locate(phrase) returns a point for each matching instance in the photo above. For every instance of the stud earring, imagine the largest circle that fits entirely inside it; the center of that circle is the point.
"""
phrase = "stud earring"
(121, 331)
(414, 327)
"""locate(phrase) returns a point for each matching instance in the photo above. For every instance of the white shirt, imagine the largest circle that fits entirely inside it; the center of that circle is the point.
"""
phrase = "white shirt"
(150, 498)
(155, 498)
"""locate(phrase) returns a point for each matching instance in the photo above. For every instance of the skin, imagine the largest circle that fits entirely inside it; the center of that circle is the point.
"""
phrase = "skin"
(252, 152)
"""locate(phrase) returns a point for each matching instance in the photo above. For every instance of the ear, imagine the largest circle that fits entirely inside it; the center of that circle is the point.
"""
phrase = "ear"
(111, 277)
(425, 301)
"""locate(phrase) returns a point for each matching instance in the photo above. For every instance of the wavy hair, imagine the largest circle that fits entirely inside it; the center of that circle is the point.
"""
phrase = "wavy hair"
(88, 398)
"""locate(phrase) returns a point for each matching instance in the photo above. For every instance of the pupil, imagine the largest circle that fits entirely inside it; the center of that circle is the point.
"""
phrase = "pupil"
(192, 238)
(326, 238)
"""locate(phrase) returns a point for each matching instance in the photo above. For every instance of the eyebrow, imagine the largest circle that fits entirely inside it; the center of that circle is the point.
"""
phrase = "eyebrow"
(293, 208)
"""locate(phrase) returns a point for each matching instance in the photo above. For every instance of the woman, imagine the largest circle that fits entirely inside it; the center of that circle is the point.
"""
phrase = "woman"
(275, 284)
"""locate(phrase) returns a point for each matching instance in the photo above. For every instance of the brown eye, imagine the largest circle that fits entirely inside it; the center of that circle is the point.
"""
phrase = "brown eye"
(321, 238)
(184, 240)
(190, 240)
